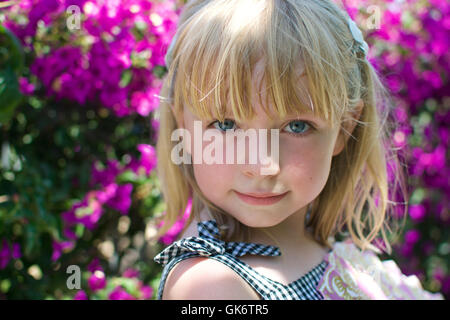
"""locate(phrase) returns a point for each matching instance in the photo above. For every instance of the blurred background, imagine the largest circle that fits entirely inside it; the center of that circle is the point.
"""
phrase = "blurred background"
(78, 128)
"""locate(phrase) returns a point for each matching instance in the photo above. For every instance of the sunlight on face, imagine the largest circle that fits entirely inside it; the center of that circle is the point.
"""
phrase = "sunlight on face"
(307, 144)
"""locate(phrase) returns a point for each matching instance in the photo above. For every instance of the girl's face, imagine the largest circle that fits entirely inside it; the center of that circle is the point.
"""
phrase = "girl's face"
(306, 147)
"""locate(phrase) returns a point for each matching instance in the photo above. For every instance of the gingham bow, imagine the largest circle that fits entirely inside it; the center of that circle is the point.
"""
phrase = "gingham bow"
(208, 244)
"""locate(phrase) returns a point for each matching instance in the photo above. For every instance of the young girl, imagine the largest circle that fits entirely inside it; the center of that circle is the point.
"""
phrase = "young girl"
(299, 67)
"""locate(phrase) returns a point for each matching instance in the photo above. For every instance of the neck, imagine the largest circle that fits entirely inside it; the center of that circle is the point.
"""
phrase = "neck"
(288, 234)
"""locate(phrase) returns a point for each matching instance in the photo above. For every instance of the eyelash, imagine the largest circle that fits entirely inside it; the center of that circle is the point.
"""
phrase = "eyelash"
(212, 123)
(310, 128)
(297, 135)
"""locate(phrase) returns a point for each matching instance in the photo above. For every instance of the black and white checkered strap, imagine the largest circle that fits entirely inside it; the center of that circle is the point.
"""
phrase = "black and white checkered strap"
(208, 244)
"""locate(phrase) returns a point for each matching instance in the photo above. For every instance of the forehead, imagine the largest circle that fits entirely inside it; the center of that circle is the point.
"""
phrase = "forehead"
(260, 90)
(260, 101)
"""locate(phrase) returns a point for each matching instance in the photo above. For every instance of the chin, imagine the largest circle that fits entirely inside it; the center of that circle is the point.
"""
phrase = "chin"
(257, 222)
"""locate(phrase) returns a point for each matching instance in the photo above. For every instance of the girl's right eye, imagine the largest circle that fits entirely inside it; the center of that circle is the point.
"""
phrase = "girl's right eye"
(223, 126)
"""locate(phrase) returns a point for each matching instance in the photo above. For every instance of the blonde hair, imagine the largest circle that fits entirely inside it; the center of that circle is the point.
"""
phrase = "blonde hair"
(218, 44)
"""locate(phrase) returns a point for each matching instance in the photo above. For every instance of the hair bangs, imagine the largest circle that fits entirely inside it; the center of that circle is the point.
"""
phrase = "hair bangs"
(218, 67)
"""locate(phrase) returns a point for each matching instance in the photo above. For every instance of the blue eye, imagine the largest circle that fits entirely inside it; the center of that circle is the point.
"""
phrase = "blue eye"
(224, 126)
(298, 127)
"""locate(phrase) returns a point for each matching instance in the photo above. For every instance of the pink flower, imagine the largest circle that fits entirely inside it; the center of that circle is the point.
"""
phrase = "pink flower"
(412, 236)
(122, 199)
(80, 295)
(5, 254)
(145, 102)
(107, 175)
(173, 232)
(16, 253)
(60, 247)
(433, 78)
(25, 86)
(146, 291)
(147, 161)
(97, 281)
(69, 234)
(95, 265)
(86, 212)
(92, 213)
(417, 212)
(107, 193)
(148, 157)
(131, 273)
(120, 294)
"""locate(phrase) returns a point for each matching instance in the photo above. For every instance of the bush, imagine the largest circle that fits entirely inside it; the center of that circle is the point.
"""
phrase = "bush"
(78, 183)
(78, 186)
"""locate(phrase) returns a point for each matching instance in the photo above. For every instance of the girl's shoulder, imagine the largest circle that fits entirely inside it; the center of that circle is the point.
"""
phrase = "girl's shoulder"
(189, 273)
(355, 274)
(200, 278)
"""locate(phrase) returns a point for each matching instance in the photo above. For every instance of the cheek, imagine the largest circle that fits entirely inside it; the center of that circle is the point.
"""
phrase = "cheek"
(307, 164)
(213, 180)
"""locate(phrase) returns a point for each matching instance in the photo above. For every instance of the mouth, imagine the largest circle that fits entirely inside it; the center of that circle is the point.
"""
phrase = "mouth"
(260, 198)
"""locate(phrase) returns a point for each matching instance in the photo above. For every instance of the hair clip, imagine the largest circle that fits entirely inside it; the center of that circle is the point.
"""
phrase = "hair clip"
(168, 56)
(358, 36)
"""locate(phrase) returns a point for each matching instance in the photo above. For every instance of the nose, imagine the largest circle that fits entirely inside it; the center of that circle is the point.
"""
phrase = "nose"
(260, 169)
(267, 157)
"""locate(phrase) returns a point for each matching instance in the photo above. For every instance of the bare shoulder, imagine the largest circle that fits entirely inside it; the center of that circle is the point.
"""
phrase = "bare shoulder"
(201, 278)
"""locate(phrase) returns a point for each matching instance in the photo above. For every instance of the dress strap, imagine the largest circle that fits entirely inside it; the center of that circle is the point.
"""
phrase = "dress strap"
(208, 244)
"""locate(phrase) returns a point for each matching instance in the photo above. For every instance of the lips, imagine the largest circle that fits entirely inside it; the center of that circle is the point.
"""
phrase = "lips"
(260, 198)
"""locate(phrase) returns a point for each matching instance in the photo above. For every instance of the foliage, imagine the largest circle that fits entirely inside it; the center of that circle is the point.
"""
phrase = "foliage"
(77, 134)
(410, 50)
(78, 183)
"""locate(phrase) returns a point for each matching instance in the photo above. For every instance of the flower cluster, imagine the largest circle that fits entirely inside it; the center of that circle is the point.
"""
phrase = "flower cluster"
(110, 58)
(116, 196)
(173, 232)
(90, 55)
(111, 54)
(8, 251)
(127, 287)
(410, 51)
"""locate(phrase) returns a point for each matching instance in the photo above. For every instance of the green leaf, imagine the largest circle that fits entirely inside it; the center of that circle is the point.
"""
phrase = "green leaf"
(15, 57)
(159, 71)
(31, 240)
(127, 176)
(130, 285)
(10, 95)
(79, 230)
(125, 78)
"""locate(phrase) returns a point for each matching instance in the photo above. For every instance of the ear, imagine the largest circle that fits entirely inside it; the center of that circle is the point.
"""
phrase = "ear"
(347, 128)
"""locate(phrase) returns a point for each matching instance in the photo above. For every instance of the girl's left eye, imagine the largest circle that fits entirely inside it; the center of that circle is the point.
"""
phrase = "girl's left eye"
(298, 127)
(223, 126)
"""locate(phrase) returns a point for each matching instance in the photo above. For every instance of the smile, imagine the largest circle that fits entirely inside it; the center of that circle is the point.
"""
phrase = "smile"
(262, 200)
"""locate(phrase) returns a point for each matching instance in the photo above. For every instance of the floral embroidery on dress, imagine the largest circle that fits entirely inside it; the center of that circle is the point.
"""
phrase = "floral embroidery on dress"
(355, 274)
